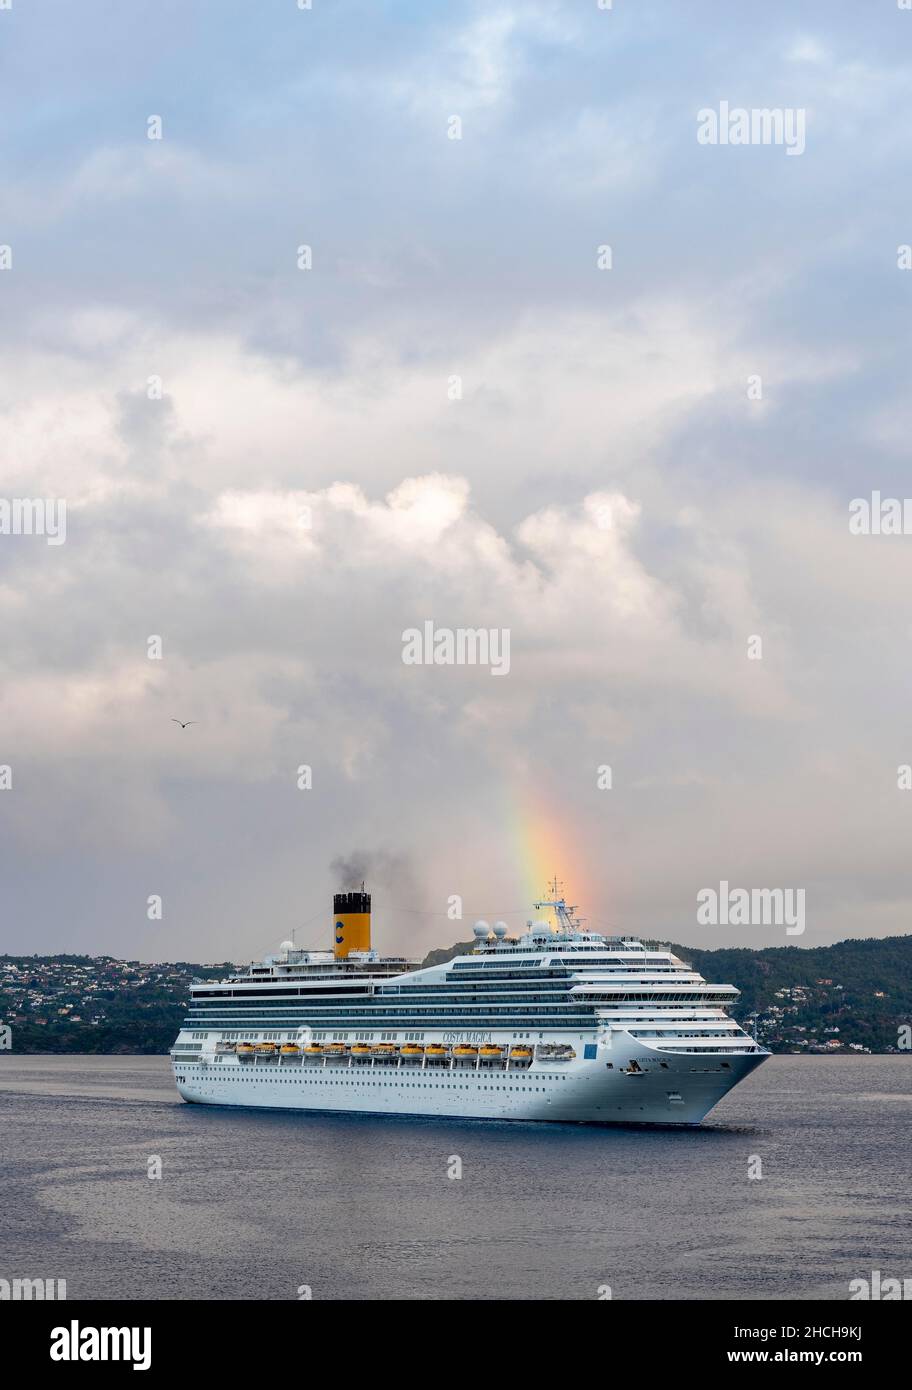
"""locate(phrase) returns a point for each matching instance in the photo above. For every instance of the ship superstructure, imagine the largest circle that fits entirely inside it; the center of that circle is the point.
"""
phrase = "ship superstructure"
(557, 1023)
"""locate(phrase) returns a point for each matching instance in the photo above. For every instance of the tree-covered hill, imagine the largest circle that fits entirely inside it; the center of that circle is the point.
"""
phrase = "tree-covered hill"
(853, 995)
(855, 992)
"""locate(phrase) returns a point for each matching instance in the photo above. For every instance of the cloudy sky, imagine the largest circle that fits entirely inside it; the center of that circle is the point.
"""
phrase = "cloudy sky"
(454, 415)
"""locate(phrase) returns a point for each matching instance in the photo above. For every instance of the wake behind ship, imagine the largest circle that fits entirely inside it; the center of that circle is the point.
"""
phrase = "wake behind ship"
(556, 1024)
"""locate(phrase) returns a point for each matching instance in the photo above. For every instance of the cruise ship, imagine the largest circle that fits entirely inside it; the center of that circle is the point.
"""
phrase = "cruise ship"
(556, 1023)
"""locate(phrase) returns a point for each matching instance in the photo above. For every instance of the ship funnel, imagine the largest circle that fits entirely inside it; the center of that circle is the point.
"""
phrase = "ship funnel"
(351, 923)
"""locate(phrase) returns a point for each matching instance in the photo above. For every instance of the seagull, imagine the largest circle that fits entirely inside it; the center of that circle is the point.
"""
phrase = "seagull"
(182, 724)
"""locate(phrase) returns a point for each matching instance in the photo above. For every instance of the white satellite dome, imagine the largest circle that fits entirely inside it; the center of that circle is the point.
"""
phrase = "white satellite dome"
(500, 930)
(541, 928)
(287, 946)
(481, 930)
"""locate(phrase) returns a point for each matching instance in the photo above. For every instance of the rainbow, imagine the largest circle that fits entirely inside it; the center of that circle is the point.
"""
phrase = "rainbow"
(546, 846)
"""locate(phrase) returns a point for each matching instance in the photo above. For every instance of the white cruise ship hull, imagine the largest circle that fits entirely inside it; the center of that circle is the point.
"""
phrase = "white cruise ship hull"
(627, 1082)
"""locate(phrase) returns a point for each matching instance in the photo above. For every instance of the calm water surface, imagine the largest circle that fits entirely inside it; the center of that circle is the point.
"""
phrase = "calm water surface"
(255, 1205)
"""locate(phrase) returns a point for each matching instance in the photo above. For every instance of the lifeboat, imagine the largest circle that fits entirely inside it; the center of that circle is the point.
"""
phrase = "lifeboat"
(313, 1050)
(290, 1050)
(491, 1050)
(265, 1049)
(361, 1050)
(435, 1053)
(521, 1054)
(335, 1050)
(412, 1051)
(245, 1049)
(464, 1051)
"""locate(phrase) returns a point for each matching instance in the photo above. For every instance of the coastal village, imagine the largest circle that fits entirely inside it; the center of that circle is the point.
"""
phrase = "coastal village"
(91, 1004)
(94, 1004)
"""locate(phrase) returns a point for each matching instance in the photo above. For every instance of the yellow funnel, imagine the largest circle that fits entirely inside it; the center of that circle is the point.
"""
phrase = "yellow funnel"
(351, 923)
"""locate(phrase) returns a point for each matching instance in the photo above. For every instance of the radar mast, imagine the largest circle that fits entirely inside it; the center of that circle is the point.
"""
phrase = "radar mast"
(566, 919)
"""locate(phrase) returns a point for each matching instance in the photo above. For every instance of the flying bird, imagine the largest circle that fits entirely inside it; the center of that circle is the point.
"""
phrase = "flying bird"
(182, 724)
